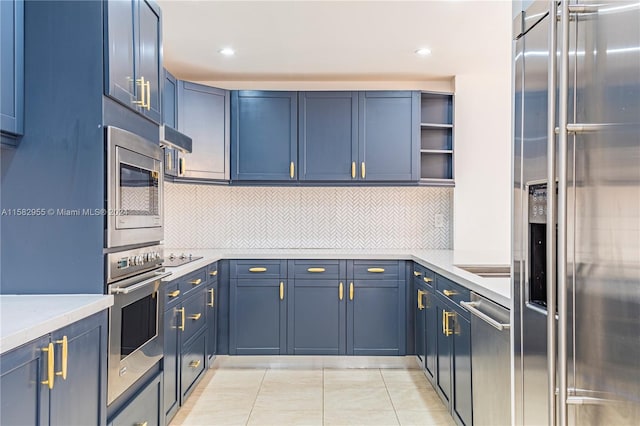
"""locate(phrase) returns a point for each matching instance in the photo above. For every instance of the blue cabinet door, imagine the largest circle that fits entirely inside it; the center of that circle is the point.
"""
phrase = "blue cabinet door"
(462, 404)
(80, 399)
(258, 317)
(25, 400)
(145, 408)
(444, 352)
(203, 115)
(375, 318)
(121, 81)
(212, 320)
(431, 333)
(264, 138)
(12, 66)
(169, 100)
(149, 61)
(419, 318)
(171, 362)
(328, 136)
(317, 320)
(389, 136)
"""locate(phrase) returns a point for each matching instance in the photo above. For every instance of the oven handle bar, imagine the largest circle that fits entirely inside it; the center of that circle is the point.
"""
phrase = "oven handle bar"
(131, 288)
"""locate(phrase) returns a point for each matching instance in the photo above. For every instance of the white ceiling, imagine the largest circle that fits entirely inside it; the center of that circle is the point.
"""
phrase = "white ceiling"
(333, 40)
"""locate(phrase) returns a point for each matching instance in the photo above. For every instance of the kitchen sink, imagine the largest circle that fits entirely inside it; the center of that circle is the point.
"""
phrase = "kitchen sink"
(488, 271)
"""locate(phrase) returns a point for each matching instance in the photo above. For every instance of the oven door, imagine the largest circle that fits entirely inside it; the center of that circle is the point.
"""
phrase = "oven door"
(135, 332)
(135, 189)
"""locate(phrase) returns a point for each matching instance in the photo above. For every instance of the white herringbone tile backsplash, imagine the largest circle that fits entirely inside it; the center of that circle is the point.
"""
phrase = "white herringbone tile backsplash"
(207, 216)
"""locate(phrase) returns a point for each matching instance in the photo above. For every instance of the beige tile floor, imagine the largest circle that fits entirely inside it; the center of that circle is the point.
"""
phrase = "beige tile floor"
(316, 393)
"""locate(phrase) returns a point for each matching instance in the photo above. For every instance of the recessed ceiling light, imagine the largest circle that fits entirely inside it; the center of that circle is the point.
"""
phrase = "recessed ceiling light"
(424, 51)
(227, 51)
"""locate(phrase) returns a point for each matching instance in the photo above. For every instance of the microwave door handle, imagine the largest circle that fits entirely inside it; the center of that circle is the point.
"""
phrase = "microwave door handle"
(131, 288)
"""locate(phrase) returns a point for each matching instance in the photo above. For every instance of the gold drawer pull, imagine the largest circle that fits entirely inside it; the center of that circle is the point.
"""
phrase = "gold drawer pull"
(353, 170)
(281, 290)
(427, 280)
(450, 292)
(420, 304)
(213, 273)
(417, 274)
(194, 364)
(258, 269)
(376, 270)
(292, 170)
(211, 292)
(363, 170)
(315, 269)
(195, 317)
(50, 360)
(351, 291)
(181, 326)
(196, 282)
(64, 342)
(341, 291)
(174, 293)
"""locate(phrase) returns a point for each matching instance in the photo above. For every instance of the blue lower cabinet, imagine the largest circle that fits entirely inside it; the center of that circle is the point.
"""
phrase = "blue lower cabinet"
(431, 334)
(144, 409)
(462, 393)
(194, 361)
(444, 351)
(171, 361)
(212, 321)
(77, 395)
(258, 317)
(317, 321)
(376, 320)
(419, 318)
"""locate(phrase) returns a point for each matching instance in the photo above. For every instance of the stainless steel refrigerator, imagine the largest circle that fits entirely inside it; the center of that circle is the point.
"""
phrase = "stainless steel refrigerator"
(576, 214)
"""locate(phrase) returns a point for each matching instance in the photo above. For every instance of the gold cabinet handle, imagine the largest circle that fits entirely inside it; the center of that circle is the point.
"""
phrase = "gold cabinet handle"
(351, 291)
(148, 87)
(363, 170)
(417, 274)
(445, 322)
(50, 371)
(142, 424)
(450, 292)
(315, 270)
(143, 98)
(213, 273)
(64, 342)
(174, 293)
(375, 270)
(196, 282)
(257, 269)
(427, 280)
(194, 364)
(211, 293)
(420, 295)
(168, 161)
(195, 317)
(181, 326)
(281, 290)
(182, 166)
(341, 291)
(353, 170)
(292, 169)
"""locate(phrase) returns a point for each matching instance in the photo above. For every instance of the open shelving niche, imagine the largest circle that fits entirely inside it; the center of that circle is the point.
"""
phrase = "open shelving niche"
(436, 138)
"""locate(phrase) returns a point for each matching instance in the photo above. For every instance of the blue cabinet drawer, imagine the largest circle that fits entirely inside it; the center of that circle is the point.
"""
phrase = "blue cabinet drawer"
(376, 269)
(144, 409)
(193, 281)
(194, 315)
(258, 269)
(171, 293)
(212, 272)
(317, 269)
(424, 275)
(193, 363)
(452, 291)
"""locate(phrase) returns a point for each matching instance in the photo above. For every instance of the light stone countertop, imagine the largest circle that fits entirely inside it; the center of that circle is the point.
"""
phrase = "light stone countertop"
(442, 262)
(24, 318)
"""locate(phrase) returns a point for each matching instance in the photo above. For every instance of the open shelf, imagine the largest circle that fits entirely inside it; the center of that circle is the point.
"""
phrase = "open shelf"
(436, 139)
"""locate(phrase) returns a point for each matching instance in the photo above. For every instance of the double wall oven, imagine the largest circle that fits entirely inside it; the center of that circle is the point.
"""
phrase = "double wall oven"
(134, 257)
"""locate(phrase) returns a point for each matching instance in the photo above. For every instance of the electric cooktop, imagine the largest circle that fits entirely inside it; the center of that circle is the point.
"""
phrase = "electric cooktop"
(174, 260)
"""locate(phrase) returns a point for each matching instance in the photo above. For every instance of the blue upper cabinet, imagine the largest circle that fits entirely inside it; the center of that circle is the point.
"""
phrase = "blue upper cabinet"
(389, 125)
(133, 55)
(169, 99)
(328, 136)
(11, 66)
(264, 135)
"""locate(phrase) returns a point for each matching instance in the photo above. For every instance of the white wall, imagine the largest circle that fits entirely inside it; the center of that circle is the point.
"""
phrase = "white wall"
(481, 213)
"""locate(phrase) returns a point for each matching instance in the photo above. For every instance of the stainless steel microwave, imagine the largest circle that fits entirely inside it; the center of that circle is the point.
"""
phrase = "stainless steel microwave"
(134, 189)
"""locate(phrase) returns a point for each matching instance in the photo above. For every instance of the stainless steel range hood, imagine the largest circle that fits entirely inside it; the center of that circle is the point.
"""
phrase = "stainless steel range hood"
(170, 137)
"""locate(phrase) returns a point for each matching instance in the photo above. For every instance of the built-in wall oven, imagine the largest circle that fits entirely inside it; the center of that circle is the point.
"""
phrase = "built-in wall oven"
(134, 213)
(135, 319)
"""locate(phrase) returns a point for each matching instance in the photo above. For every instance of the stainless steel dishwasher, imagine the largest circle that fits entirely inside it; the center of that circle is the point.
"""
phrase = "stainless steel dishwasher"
(490, 363)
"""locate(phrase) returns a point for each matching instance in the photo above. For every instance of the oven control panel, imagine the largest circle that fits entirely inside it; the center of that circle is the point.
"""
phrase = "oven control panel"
(131, 262)
(538, 203)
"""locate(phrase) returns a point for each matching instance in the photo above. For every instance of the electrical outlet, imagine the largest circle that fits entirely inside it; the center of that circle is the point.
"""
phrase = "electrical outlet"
(439, 220)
